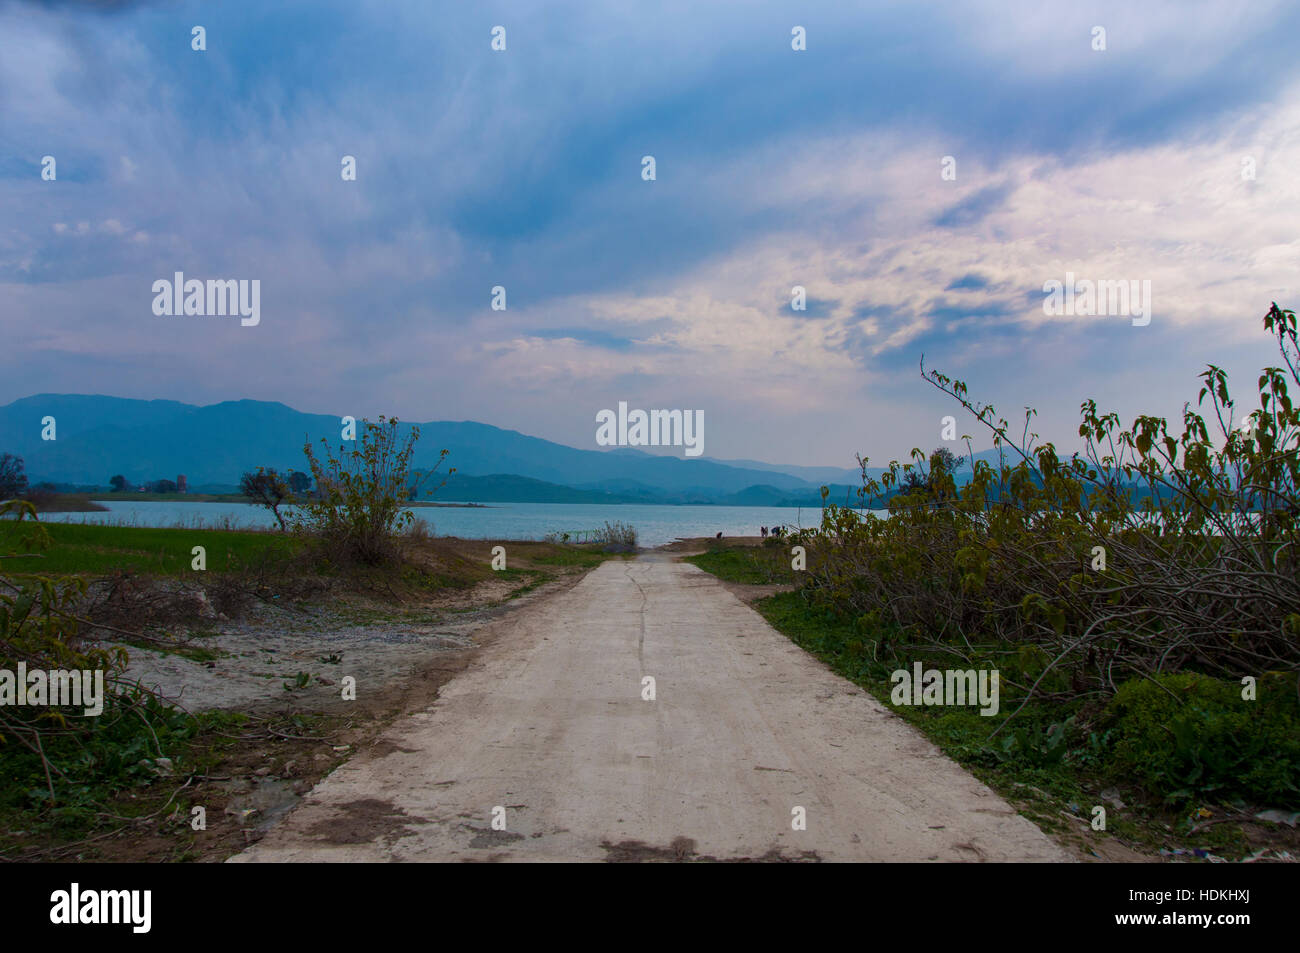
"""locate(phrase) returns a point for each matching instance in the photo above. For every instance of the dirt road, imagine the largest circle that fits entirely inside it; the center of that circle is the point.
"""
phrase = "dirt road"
(549, 729)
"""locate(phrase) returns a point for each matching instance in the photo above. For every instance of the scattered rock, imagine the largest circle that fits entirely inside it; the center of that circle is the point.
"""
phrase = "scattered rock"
(1111, 797)
(1279, 817)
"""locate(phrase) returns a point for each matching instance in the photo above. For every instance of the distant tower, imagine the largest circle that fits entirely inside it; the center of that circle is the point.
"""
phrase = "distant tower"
(180, 484)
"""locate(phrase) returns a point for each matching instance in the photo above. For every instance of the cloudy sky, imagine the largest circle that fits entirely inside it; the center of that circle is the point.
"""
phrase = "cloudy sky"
(522, 168)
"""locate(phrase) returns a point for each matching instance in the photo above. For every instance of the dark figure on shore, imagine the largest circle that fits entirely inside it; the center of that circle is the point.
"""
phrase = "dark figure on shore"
(719, 536)
(778, 530)
(762, 531)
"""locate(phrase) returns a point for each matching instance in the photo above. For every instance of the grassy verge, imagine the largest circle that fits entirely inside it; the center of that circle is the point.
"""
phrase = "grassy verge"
(94, 549)
(101, 549)
(1153, 757)
(747, 565)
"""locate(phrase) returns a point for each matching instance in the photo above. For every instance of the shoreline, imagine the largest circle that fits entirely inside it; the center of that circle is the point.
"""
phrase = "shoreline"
(218, 498)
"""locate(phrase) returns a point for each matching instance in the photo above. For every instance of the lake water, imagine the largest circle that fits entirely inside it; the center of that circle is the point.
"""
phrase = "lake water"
(655, 525)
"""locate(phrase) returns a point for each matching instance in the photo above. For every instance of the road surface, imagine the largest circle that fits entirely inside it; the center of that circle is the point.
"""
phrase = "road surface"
(549, 733)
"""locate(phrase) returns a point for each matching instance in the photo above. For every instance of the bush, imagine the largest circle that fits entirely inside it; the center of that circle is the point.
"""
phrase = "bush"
(360, 505)
(1149, 552)
(38, 628)
(616, 537)
(1189, 735)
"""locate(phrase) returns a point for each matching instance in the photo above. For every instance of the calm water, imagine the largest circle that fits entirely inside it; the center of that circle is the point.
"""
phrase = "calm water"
(655, 525)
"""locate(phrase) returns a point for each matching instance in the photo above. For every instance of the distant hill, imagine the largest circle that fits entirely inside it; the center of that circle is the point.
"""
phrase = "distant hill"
(146, 440)
(508, 488)
(814, 475)
(852, 476)
(100, 436)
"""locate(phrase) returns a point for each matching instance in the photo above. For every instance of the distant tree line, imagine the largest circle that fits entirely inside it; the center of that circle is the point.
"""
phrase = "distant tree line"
(119, 485)
(14, 484)
(263, 486)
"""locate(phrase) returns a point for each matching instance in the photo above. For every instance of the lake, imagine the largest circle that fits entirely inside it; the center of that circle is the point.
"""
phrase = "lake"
(655, 524)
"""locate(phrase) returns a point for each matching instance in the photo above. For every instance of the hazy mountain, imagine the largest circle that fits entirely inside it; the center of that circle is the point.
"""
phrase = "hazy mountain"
(508, 488)
(99, 436)
(814, 475)
(852, 476)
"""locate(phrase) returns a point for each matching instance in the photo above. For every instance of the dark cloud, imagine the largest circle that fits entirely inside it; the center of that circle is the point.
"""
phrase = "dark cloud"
(973, 210)
(968, 282)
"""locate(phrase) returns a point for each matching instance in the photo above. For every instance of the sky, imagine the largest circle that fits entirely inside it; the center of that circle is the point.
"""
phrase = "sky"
(774, 168)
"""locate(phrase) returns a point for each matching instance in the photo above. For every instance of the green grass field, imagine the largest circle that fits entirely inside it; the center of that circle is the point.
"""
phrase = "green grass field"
(95, 549)
(750, 565)
(78, 548)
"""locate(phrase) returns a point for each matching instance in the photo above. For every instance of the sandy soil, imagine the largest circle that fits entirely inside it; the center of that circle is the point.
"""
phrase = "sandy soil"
(376, 645)
(547, 728)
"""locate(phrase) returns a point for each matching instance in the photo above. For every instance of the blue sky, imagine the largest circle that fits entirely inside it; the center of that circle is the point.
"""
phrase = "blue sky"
(775, 168)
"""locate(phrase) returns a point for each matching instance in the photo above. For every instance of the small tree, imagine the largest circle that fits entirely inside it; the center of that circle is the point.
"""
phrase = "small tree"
(118, 483)
(943, 460)
(943, 463)
(299, 482)
(267, 488)
(12, 478)
(361, 494)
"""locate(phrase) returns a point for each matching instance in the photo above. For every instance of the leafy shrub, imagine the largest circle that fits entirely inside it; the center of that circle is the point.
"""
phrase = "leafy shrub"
(360, 503)
(38, 628)
(1033, 745)
(1190, 735)
(66, 778)
(1150, 551)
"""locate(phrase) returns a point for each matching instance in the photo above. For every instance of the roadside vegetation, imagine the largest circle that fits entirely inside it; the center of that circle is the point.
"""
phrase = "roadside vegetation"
(1140, 602)
(613, 537)
(83, 597)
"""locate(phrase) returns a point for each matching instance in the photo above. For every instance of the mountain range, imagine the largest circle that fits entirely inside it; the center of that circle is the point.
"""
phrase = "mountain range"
(97, 437)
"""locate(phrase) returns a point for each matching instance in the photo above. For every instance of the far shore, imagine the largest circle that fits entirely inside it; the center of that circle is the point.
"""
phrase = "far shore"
(230, 498)
(84, 503)
(67, 503)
